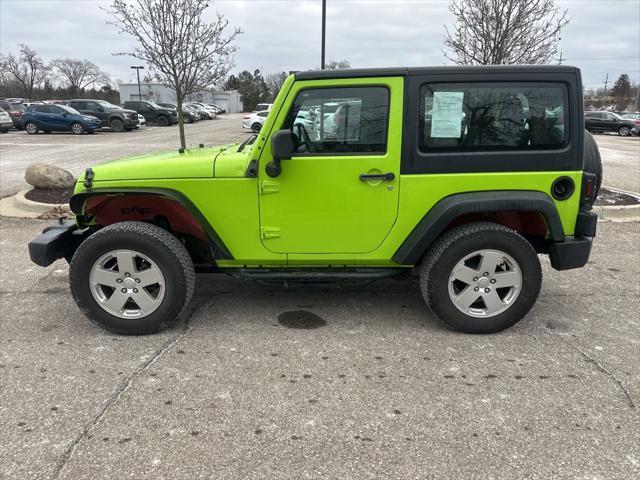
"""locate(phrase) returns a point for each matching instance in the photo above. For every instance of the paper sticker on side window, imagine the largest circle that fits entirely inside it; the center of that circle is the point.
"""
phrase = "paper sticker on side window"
(446, 115)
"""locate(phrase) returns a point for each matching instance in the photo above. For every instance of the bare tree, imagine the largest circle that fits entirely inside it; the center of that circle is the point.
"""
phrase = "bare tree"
(186, 52)
(27, 69)
(497, 32)
(337, 65)
(79, 74)
(274, 83)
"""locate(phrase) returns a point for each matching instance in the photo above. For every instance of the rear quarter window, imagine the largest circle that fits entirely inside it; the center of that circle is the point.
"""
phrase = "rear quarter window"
(492, 116)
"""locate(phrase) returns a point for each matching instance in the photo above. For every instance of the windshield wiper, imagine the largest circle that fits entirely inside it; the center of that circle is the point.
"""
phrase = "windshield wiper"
(248, 141)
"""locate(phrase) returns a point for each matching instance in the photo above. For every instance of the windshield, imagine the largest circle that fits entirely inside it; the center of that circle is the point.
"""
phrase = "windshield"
(70, 110)
(155, 105)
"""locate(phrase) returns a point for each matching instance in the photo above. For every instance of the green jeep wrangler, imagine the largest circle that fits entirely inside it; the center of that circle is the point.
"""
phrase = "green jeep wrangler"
(465, 172)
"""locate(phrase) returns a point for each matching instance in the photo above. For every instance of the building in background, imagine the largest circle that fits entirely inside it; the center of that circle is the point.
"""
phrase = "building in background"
(231, 101)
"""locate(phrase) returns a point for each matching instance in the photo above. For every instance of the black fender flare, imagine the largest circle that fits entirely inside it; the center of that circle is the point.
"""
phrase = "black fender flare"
(446, 210)
(219, 249)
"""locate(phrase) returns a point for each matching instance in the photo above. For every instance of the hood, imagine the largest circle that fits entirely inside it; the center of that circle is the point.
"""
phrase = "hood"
(230, 163)
(193, 163)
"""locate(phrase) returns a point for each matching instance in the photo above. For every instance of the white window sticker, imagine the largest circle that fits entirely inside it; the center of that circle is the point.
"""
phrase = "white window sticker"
(446, 115)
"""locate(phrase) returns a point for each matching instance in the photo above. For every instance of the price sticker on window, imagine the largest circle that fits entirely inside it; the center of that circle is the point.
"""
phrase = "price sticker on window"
(446, 115)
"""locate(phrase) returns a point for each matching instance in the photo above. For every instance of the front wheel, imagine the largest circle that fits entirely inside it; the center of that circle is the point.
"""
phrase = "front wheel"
(481, 278)
(162, 121)
(31, 128)
(116, 125)
(624, 131)
(132, 278)
(256, 127)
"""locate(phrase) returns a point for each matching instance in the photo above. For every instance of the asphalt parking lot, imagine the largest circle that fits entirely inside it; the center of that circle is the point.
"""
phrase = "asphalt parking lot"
(371, 387)
(75, 153)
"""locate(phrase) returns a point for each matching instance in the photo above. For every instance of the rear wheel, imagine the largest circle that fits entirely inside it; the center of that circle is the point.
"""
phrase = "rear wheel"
(77, 128)
(162, 121)
(31, 128)
(256, 127)
(481, 278)
(132, 278)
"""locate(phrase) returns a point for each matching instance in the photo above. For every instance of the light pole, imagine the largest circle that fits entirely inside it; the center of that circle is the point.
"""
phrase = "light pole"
(324, 28)
(137, 69)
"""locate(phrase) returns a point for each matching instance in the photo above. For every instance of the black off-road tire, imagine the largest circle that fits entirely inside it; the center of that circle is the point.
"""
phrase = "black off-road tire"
(162, 121)
(461, 241)
(256, 127)
(157, 244)
(592, 163)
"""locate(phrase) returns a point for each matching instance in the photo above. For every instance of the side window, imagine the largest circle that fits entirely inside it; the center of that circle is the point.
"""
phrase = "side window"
(340, 121)
(41, 108)
(492, 116)
(56, 110)
(263, 114)
(610, 117)
(78, 105)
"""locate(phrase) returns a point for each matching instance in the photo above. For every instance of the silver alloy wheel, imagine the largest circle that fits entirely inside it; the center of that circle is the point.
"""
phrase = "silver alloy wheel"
(624, 131)
(77, 129)
(31, 128)
(127, 284)
(485, 283)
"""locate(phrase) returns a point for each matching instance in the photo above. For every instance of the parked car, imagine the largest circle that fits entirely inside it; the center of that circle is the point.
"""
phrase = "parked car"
(15, 111)
(57, 102)
(5, 121)
(219, 110)
(194, 111)
(254, 120)
(597, 122)
(212, 112)
(261, 107)
(189, 116)
(153, 112)
(58, 118)
(111, 116)
(634, 117)
(471, 203)
(201, 112)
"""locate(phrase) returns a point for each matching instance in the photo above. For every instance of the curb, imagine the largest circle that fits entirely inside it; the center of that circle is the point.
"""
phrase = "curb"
(619, 213)
(18, 206)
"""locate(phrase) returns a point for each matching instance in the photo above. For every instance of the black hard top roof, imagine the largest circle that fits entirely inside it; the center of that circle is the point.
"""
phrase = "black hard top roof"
(454, 69)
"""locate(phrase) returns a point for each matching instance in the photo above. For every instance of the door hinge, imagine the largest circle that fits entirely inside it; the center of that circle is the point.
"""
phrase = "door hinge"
(268, 186)
(269, 232)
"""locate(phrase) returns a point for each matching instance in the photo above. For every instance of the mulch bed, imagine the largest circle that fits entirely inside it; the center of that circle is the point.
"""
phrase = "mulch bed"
(607, 198)
(53, 196)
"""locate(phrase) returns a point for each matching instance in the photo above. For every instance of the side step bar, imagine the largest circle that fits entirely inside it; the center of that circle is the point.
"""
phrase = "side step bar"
(291, 276)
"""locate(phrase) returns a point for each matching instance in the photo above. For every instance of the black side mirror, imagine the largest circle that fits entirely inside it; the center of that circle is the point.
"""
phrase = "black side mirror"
(281, 149)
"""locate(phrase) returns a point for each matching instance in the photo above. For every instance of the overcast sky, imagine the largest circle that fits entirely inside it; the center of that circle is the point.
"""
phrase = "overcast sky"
(281, 35)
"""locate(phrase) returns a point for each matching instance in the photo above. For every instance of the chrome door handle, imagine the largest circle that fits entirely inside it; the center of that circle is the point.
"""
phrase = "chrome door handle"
(387, 177)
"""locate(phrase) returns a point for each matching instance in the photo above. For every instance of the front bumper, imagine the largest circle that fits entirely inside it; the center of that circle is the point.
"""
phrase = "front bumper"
(56, 241)
(574, 251)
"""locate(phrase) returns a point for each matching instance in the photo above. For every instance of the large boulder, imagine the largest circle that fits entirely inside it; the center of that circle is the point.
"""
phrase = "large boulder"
(42, 175)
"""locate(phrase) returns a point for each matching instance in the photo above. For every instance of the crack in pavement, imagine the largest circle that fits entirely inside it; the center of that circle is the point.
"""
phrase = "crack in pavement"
(598, 365)
(122, 389)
